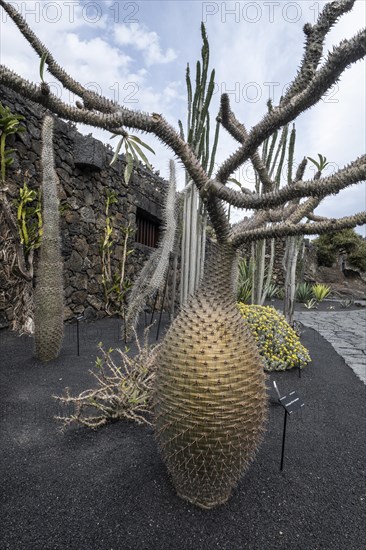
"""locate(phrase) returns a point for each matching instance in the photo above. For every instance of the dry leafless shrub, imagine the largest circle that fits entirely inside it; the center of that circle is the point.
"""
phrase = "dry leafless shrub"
(124, 388)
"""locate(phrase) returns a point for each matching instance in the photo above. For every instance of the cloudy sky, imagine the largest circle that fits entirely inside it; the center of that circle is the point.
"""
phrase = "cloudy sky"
(136, 52)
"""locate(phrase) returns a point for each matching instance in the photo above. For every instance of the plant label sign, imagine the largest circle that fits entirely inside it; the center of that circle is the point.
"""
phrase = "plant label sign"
(291, 402)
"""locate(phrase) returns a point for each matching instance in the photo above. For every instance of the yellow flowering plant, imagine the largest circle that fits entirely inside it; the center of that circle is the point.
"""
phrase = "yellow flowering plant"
(278, 343)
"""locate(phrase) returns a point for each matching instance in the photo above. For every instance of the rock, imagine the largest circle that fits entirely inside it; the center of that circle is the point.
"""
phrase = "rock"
(66, 167)
(89, 153)
(32, 157)
(75, 262)
(94, 287)
(88, 198)
(25, 138)
(80, 245)
(9, 312)
(87, 263)
(62, 174)
(79, 297)
(69, 189)
(73, 203)
(90, 314)
(94, 248)
(71, 216)
(118, 251)
(69, 159)
(34, 131)
(98, 268)
(61, 193)
(80, 281)
(95, 302)
(68, 291)
(27, 166)
(36, 147)
(87, 214)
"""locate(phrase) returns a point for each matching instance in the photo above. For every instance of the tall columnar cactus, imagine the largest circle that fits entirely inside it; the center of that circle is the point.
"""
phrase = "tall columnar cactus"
(210, 395)
(210, 390)
(49, 304)
(156, 268)
(198, 137)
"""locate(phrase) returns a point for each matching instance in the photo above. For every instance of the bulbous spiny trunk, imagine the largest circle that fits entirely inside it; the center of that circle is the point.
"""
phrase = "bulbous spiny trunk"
(210, 397)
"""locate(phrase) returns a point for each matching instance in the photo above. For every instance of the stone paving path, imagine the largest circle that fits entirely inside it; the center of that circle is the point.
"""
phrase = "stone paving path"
(345, 330)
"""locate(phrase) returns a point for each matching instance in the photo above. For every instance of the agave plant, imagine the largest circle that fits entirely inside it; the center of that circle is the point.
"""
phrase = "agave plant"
(272, 291)
(311, 304)
(320, 291)
(304, 292)
(245, 280)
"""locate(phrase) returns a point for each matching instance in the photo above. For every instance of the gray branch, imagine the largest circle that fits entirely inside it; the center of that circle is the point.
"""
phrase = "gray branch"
(355, 172)
(289, 230)
(314, 44)
(238, 131)
(347, 53)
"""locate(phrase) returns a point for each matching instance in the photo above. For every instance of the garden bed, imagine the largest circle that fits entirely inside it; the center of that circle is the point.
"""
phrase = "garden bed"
(108, 489)
(330, 305)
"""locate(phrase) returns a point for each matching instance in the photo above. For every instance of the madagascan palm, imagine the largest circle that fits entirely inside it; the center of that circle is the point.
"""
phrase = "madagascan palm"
(211, 406)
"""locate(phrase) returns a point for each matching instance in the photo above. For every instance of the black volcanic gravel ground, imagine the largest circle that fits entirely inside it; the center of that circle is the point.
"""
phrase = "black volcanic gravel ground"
(108, 489)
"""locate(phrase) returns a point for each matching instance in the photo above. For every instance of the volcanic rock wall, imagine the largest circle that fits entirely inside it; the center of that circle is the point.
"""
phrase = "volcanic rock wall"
(82, 164)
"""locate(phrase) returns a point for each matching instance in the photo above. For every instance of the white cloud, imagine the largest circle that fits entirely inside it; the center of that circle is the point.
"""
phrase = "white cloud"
(148, 42)
(95, 61)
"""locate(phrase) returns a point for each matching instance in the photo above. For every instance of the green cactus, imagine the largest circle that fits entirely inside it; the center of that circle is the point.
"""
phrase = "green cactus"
(209, 401)
(198, 137)
(49, 303)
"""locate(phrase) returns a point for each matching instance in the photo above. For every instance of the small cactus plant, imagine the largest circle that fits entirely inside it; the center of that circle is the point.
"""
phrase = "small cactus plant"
(49, 305)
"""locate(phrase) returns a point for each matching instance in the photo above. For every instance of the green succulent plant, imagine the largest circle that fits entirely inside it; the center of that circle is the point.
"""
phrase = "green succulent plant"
(9, 124)
(245, 280)
(304, 292)
(311, 304)
(29, 217)
(278, 343)
(320, 291)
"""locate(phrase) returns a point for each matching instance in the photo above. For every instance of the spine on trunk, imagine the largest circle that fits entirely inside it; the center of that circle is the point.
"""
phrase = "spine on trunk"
(49, 303)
